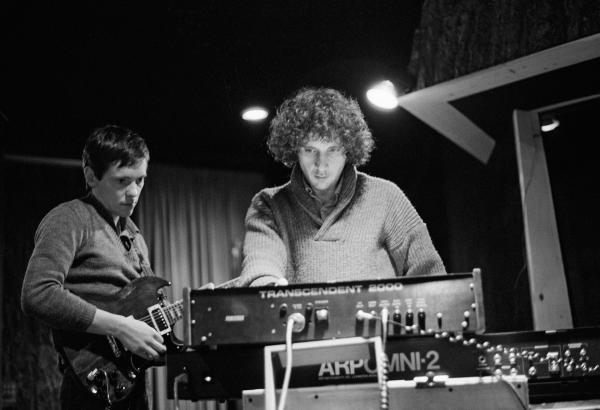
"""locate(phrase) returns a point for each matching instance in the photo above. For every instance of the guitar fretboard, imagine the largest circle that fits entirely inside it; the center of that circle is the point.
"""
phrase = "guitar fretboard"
(174, 312)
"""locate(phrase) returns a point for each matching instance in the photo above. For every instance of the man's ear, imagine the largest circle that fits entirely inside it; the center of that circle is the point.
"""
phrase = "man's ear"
(90, 177)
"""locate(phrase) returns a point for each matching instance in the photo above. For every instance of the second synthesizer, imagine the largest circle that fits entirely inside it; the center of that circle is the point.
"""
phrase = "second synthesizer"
(416, 305)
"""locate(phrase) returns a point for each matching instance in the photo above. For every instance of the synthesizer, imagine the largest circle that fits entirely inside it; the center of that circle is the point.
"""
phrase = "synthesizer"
(559, 365)
(416, 306)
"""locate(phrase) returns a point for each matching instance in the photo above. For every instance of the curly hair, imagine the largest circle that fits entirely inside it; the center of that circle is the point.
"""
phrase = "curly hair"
(323, 113)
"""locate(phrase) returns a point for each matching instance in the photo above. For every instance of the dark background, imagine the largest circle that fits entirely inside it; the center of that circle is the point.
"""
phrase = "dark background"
(181, 74)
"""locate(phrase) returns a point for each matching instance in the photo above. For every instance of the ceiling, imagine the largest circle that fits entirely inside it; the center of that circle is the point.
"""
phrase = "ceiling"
(181, 75)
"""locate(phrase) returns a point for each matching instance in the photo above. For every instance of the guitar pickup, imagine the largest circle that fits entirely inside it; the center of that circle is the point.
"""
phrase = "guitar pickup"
(159, 319)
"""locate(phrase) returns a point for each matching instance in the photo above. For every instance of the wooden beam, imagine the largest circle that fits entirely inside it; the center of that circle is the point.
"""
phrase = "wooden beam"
(547, 283)
(459, 129)
(452, 124)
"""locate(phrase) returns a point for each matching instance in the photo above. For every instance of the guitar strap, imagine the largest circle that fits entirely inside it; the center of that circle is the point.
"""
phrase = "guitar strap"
(126, 230)
(144, 264)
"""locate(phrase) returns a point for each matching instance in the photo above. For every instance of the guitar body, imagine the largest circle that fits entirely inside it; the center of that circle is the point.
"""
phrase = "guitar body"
(101, 363)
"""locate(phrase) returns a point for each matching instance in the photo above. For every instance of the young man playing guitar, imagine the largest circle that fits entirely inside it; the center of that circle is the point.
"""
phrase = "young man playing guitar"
(89, 249)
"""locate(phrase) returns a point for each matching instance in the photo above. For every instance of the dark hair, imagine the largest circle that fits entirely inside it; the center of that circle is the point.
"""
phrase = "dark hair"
(113, 144)
(325, 113)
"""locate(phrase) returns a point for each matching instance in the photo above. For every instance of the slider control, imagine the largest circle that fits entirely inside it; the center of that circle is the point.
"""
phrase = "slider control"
(309, 311)
(283, 308)
(397, 321)
(397, 316)
(410, 320)
(421, 319)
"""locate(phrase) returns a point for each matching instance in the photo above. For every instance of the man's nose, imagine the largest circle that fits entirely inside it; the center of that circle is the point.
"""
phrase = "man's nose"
(321, 159)
(133, 189)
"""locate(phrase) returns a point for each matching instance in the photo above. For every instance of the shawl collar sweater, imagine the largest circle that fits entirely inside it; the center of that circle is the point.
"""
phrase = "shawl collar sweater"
(373, 232)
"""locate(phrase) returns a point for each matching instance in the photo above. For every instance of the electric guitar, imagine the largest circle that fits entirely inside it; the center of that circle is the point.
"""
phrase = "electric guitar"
(103, 366)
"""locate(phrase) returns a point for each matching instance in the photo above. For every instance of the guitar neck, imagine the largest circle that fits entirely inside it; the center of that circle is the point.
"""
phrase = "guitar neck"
(174, 312)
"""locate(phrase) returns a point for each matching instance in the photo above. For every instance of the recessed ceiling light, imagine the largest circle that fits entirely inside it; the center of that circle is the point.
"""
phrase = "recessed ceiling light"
(383, 95)
(549, 124)
(255, 114)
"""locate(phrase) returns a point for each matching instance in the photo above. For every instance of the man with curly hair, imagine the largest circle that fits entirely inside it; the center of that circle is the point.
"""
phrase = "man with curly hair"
(330, 222)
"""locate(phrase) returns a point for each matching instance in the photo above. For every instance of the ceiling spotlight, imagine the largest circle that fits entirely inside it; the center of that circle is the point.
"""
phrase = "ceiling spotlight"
(383, 95)
(549, 124)
(255, 114)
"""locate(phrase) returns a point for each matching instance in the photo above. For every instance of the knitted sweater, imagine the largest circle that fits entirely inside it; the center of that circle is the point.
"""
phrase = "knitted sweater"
(373, 232)
(78, 251)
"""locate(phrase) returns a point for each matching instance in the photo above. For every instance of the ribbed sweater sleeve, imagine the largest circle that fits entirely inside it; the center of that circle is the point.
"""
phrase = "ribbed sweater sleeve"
(407, 237)
(265, 253)
(43, 295)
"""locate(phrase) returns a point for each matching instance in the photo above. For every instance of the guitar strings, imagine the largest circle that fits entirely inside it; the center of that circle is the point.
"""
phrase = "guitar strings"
(173, 308)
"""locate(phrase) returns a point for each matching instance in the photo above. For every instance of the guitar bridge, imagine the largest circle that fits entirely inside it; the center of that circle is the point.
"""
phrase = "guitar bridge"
(159, 319)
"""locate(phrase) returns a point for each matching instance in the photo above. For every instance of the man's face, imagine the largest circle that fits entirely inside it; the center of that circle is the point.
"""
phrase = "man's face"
(119, 188)
(322, 163)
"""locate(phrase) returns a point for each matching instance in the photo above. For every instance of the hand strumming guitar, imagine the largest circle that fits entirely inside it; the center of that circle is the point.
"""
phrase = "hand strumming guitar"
(136, 336)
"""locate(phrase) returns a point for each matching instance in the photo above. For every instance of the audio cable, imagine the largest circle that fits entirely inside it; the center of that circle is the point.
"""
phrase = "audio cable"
(384, 391)
(362, 315)
(183, 378)
(295, 323)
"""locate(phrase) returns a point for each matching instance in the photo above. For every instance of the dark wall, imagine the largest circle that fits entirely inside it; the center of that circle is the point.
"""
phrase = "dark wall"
(2, 244)
(472, 209)
(483, 221)
(456, 38)
(485, 230)
(573, 169)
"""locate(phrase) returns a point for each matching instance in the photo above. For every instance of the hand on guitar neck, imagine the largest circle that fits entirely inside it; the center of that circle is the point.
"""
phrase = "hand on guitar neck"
(135, 335)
